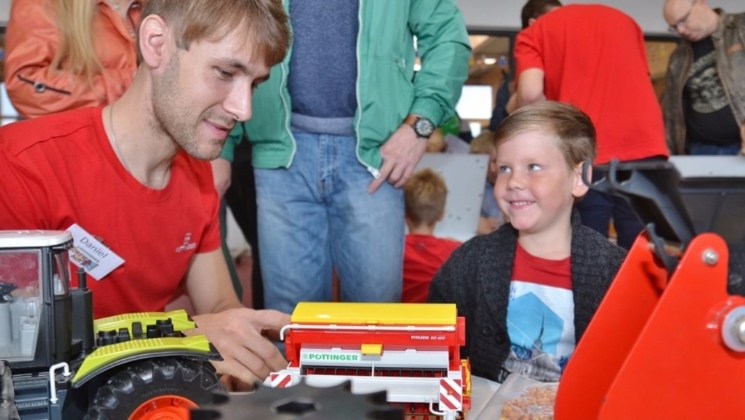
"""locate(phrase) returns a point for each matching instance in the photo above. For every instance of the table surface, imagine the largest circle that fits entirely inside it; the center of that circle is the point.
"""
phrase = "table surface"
(485, 403)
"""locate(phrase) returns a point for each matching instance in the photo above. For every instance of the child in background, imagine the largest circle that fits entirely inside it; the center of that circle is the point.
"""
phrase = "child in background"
(424, 253)
(529, 289)
(490, 218)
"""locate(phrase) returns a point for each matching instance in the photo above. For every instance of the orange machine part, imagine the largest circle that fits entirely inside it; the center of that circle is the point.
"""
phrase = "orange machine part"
(654, 350)
(164, 407)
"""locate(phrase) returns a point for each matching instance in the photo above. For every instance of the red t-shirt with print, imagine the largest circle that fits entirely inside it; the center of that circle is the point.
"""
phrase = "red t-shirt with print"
(60, 169)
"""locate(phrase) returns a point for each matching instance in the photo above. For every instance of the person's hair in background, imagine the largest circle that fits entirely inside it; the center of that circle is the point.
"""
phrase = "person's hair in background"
(67, 54)
(75, 53)
(195, 20)
(425, 194)
(572, 128)
(482, 144)
(534, 9)
(436, 142)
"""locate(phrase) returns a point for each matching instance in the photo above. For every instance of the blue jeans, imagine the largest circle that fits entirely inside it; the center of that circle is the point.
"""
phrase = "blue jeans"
(713, 149)
(318, 214)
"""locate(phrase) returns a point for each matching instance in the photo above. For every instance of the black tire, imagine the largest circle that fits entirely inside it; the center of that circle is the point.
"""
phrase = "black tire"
(125, 391)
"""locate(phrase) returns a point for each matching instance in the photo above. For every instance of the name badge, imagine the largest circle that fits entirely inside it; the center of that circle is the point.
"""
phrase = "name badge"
(92, 255)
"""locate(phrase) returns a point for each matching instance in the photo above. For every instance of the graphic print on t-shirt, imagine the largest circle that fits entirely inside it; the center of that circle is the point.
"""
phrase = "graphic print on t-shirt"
(540, 317)
(709, 118)
(705, 90)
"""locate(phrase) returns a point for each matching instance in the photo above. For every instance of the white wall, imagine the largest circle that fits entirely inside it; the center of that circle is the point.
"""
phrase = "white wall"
(4, 11)
(505, 14)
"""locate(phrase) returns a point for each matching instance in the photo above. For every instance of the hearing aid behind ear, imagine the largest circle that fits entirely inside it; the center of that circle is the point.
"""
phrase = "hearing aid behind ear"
(585, 173)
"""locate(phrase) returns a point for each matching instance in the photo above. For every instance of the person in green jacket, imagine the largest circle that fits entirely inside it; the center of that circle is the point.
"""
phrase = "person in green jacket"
(336, 131)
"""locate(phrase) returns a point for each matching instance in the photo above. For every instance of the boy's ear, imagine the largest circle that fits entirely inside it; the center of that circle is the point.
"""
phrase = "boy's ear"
(152, 40)
(582, 177)
(441, 216)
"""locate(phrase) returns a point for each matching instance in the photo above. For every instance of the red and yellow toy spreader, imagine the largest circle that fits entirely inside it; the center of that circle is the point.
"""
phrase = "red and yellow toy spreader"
(668, 340)
(412, 351)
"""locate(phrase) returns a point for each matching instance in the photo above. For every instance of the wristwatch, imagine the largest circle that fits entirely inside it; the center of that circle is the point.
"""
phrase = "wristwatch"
(422, 126)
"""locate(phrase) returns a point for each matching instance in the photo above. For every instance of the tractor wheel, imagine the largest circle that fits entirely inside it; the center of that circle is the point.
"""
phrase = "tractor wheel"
(162, 389)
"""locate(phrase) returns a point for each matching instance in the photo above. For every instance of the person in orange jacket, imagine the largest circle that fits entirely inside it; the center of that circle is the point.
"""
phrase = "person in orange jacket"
(68, 54)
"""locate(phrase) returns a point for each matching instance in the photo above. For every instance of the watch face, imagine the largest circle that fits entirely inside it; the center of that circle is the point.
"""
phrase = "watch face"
(423, 127)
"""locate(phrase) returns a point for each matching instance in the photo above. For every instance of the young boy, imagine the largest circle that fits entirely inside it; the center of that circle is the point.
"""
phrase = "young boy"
(424, 253)
(529, 289)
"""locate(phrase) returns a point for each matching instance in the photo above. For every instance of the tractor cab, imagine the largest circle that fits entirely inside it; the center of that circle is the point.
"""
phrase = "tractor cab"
(34, 295)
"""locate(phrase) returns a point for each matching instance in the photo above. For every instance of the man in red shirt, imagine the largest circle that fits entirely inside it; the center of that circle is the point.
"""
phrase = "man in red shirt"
(593, 56)
(136, 173)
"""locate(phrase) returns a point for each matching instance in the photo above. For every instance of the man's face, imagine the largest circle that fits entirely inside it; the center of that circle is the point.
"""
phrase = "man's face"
(201, 93)
(684, 18)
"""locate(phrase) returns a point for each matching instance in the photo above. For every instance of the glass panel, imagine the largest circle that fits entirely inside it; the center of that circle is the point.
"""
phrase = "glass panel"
(61, 273)
(21, 290)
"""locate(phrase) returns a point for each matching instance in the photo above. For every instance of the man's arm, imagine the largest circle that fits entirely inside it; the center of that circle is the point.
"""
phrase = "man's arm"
(442, 43)
(529, 65)
(238, 333)
(530, 87)
(208, 284)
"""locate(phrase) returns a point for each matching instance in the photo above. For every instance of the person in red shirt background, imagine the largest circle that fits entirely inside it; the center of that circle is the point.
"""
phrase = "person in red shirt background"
(424, 199)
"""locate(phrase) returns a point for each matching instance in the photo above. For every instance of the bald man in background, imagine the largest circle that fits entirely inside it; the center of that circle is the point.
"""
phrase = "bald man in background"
(704, 101)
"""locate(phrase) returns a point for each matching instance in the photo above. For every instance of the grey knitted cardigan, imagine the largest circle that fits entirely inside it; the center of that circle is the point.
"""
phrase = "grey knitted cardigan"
(477, 276)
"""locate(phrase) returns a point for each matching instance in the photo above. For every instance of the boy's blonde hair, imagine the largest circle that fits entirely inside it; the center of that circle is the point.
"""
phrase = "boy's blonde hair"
(572, 129)
(424, 197)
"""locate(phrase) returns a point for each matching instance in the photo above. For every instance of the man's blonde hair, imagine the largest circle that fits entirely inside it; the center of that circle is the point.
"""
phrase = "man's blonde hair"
(197, 20)
(424, 197)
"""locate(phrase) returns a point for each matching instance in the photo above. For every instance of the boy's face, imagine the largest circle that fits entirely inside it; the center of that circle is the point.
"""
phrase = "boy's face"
(535, 189)
(201, 93)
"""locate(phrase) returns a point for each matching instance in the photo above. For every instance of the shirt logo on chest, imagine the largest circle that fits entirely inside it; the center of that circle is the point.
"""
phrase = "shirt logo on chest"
(188, 245)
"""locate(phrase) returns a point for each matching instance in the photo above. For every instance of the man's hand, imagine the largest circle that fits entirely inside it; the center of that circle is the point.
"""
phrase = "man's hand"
(221, 172)
(240, 335)
(401, 153)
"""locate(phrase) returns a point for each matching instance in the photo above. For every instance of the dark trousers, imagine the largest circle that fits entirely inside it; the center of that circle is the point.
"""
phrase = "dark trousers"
(241, 198)
(596, 210)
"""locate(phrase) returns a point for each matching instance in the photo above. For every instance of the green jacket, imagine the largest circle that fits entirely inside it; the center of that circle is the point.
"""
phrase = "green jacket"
(387, 88)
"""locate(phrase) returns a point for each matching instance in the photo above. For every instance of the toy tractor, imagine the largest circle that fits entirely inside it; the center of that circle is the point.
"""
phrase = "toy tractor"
(65, 365)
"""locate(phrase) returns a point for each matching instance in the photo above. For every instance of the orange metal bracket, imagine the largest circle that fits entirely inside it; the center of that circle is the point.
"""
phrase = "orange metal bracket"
(654, 349)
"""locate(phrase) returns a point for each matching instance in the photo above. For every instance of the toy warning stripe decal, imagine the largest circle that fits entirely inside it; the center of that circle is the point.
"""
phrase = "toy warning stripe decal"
(280, 380)
(451, 394)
